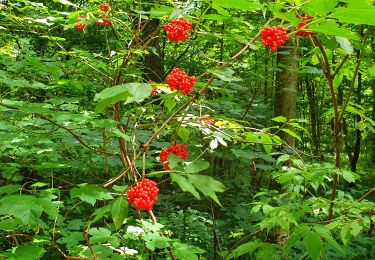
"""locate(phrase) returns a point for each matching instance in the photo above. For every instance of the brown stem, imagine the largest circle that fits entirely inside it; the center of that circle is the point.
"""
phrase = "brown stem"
(327, 72)
(368, 194)
(89, 244)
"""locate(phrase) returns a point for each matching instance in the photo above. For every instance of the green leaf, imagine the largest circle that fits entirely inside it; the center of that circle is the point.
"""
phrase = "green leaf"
(225, 74)
(29, 252)
(244, 249)
(184, 251)
(326, 234)
(90, 193)
(291, 133)
(183, 133)
(155, 240)
(243, 5)
(207, 185)
(355, 228)
(355, 15)
(332, 28)
(174, 160)
(99, 235)
(321, 7)
(25, 207)
(345, 44)
(9, 189)
(119, 211)
(184, 184)
(345, 234)
(280, 119)
(197, 166)
(130, 92)
(267, 142)
(313, 244)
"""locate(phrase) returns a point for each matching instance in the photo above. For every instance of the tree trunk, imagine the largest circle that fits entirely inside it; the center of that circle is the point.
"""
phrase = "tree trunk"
(314, 116)
(153, 64)
(285, 99)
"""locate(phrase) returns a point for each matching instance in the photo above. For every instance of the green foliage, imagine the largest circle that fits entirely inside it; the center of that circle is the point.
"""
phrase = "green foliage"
(79, 127)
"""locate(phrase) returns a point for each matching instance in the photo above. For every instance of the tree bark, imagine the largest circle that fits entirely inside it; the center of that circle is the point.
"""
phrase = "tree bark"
(285, 99)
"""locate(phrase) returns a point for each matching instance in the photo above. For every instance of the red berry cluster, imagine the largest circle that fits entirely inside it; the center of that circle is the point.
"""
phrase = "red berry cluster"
(104, 21)
(104, 7)
(179, 80)
(205, 120)
(274, 37)
(143, 196)
(304, 33)
(178, 30)
(81, 26)
(154, 91)
(177, 149)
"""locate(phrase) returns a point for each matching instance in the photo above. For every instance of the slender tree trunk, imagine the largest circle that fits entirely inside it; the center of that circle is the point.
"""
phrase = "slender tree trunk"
(285, 99)
(153, 64)
(314, 118)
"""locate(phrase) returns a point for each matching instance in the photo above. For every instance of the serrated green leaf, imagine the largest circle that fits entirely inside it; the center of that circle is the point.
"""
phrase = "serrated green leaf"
(345, 234)
(184, 251)
(326, 234)
(184, 184)
(267, 142)
(280, 119)
(29, 252)
(197, 166)
(244, 249)
(355, 228)
(225, 74)
(345, 44)
(332, 28)
(355, 15)
(90, 193)
(183, 133)
(99, 235)
(9, 189)
(313, 244)
(207, 185)
(291, 133)
(119, 211)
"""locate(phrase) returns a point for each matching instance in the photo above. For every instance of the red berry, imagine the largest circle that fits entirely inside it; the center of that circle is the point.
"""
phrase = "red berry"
(80, 26)
(274, 37)
(179, 80)
(104, 7)
(178, 29)
(154, 91)
(177, 149)
(143, 195)
(304, 33)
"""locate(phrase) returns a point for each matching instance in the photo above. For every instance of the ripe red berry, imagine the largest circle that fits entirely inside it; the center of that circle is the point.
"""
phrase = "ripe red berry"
(179, 80)
(178, 29)
(80, 26)
(304, 21)
(177, 149)
(154, 91)
(143, 195)
(104, 7)
(274, 37)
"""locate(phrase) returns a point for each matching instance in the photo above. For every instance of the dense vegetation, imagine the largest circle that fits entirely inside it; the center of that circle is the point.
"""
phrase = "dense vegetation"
(200, 129)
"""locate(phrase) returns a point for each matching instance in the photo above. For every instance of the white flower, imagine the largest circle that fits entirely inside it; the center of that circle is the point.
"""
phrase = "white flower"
(285, 168)
(135, 230)
(128, 251)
